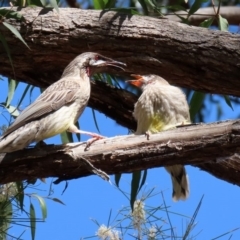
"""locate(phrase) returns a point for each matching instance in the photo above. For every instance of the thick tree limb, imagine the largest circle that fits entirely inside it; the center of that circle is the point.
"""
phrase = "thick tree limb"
(211, 147)
(231, 13)
(191, 57)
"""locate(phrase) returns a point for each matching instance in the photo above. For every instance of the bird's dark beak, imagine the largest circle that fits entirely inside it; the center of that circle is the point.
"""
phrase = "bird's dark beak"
(138, 82)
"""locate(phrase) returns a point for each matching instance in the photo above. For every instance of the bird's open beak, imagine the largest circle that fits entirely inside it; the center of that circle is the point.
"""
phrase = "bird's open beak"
(109, 62)
(138, 82)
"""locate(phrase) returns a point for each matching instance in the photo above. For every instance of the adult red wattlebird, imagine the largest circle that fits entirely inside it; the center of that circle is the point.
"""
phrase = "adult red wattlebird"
(59, 106)
(162, 107)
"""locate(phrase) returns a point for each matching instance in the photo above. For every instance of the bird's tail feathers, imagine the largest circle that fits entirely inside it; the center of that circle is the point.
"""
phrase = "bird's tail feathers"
(179, 181)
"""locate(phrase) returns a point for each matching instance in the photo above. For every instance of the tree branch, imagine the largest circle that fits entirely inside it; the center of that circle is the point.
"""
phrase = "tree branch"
(211, 147)
(191, 57)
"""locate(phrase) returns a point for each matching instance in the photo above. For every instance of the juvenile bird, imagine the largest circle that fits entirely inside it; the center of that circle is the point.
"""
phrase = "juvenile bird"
(59, 106)
(162, 107)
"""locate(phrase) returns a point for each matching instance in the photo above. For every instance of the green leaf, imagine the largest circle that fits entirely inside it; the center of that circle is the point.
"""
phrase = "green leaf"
(207, 23)
(66, 137)
(5, 45)
(95, 120)
(32, 221)
(39, 3)
(130, 10)
(12, 85)
(196, 5)
(109, 3)
(98, 4)
(228, 101)
(222, 23)
(12, 110)
(136, 176)
(176, 7)
(42, 205)
(143, 179)
(11, 14)
(15, 32)
(109, 79)
(117, 179)
(144, 6)
(54, 4)
(20, 195)
(196, 103)
(78, 134)
(57, 200)
(23, 95)
(43, 2)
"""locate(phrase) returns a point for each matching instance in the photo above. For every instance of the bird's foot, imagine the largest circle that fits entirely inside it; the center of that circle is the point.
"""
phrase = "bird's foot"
(94, 138)
(147, 135)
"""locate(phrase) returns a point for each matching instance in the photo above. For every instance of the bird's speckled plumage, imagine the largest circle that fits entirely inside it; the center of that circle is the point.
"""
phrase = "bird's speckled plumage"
(58, 107)
(162, 107)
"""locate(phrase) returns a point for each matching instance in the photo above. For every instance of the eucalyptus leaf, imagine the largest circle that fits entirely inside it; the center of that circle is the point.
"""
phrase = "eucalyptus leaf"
(95, 120)
(207, 23)
(12, 85)
(196, 5)
(143, 180)
(222, 23)
(136, 177)
(117, 179)
(66, 137)
(13, 111)
(228, 101)
(20, 195)
(6, 13)
(98, 4)
(144, 6)
(196, 103)
(109, 3)
(42, 205)
(15, 32)
(54, 4)
(32, 221)
(57, 200)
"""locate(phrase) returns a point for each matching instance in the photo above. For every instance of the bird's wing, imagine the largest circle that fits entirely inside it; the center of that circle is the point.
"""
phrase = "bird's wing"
(53, 98)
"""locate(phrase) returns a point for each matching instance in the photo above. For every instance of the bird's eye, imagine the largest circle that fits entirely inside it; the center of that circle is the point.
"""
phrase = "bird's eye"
(96, 57)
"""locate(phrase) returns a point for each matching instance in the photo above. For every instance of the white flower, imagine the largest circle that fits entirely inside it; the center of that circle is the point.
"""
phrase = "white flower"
(138, 214)
(152, 233)
(106, 233)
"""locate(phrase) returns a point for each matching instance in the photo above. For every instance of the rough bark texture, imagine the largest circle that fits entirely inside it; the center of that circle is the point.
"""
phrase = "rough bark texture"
(195, 145)
(190, 57)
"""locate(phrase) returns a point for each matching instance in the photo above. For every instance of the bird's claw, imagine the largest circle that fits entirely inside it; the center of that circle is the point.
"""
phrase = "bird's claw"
(90, 141)
(147, 135)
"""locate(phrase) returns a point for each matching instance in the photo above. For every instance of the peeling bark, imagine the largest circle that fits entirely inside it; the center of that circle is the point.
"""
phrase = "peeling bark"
(211, 147)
